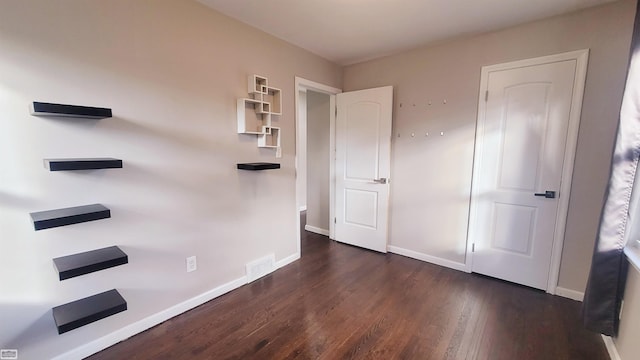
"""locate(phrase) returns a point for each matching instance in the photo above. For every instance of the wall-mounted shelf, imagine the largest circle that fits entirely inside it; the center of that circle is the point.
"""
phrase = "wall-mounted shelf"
(271, 140)
(82, 164)
(87, 112)
(90, 261)
(67, 216)
(254, 115)
(85, 311)
(251, 117)
(258, 166)
(273, 97)
(258, 87)
(257, 84)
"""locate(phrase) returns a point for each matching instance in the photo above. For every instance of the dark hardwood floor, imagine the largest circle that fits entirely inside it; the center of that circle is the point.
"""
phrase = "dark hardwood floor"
(342, 302)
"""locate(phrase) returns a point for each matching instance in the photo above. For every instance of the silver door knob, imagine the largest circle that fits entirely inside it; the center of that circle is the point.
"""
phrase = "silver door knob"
(380, 181)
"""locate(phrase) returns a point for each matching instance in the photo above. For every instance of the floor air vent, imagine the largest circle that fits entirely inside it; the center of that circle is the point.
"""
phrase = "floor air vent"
(260, 267)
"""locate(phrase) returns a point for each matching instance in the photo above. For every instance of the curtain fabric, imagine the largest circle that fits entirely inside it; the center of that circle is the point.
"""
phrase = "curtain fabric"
(607, 277)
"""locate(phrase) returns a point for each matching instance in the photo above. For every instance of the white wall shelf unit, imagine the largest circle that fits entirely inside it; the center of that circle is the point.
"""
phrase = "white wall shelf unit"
(257, 84)
(271, 140)
(252, 119)
(255, 114)
(273, 97)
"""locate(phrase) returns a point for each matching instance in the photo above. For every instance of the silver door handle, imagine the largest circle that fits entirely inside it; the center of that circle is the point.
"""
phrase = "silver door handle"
(380, 181)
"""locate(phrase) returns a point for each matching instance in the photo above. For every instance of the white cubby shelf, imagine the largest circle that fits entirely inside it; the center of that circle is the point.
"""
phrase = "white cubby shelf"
(256, 113)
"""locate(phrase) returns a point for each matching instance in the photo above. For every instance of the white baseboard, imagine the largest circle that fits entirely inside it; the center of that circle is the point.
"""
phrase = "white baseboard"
(316, 230)
(611, 347)
(303, 208)
(288, 260)
(570, 294)
(427, 258)
(128, 331)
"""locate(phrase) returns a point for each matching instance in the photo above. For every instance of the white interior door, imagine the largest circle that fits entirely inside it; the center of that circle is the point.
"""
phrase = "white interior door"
(520, 153)
(363, 157)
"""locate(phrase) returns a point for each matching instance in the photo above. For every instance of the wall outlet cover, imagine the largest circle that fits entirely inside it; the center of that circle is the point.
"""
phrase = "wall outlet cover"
(192, 264)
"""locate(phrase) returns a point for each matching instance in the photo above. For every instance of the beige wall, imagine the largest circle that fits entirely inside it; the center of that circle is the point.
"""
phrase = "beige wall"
(171, 71)
(318, 137)
(432, 175)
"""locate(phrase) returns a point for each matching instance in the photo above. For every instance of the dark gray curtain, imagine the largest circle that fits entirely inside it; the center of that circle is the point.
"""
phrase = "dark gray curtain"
(607, 277)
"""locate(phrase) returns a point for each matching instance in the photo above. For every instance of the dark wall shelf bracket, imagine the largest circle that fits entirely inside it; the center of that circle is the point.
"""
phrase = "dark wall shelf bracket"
(258, 166)
(67, 216)
(82, 164)
(85, 311)
(87, 262)
(87, 112)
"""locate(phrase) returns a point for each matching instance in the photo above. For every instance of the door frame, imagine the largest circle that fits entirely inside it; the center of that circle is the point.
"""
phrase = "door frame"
(581, 57)
(302, 84)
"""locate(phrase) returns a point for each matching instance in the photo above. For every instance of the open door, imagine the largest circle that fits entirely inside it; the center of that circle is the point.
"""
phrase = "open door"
(363, 167)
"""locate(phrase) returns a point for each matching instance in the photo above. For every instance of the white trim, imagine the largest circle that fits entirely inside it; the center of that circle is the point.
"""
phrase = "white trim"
(288, 260)
(303, 208)
(611, 347)
(126, 332)
(302, 84)
(568, 293)
(332, 167)
(316, 230)
(581, 57)
(632, 251)
(427, 258)
(301, 149)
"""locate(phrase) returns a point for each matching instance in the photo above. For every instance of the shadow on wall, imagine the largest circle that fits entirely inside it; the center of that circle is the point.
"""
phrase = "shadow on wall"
(195, 139)
(42, 328)
(26, 203)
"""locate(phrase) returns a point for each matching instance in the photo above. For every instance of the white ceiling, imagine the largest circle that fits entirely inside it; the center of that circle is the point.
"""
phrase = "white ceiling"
(350, 31)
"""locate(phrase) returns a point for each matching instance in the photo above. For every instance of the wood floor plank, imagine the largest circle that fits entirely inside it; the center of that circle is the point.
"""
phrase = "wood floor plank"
(342, 302)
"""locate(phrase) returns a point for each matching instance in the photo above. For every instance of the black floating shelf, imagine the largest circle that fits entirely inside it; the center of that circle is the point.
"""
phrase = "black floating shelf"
(82, 164)
(88, 112)
(85, 311)
(90, 261)
(258, 166)
(67, 216)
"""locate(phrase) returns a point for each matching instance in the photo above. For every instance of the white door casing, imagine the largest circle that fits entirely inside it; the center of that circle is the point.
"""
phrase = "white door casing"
(525, 145)
(302, 85)
(363, 167)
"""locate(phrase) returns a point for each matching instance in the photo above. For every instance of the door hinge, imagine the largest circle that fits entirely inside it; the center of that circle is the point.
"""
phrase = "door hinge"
(473, 247)
(336, 111)
(486, 96)
(335, 221)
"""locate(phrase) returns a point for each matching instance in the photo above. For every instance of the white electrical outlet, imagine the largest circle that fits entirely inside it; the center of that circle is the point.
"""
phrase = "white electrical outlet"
(192, 264)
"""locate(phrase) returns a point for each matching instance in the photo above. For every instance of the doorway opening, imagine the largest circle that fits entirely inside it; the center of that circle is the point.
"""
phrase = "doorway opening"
(315, 156)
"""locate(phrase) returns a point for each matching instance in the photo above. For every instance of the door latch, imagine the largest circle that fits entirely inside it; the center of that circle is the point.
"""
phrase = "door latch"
(547, 194)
